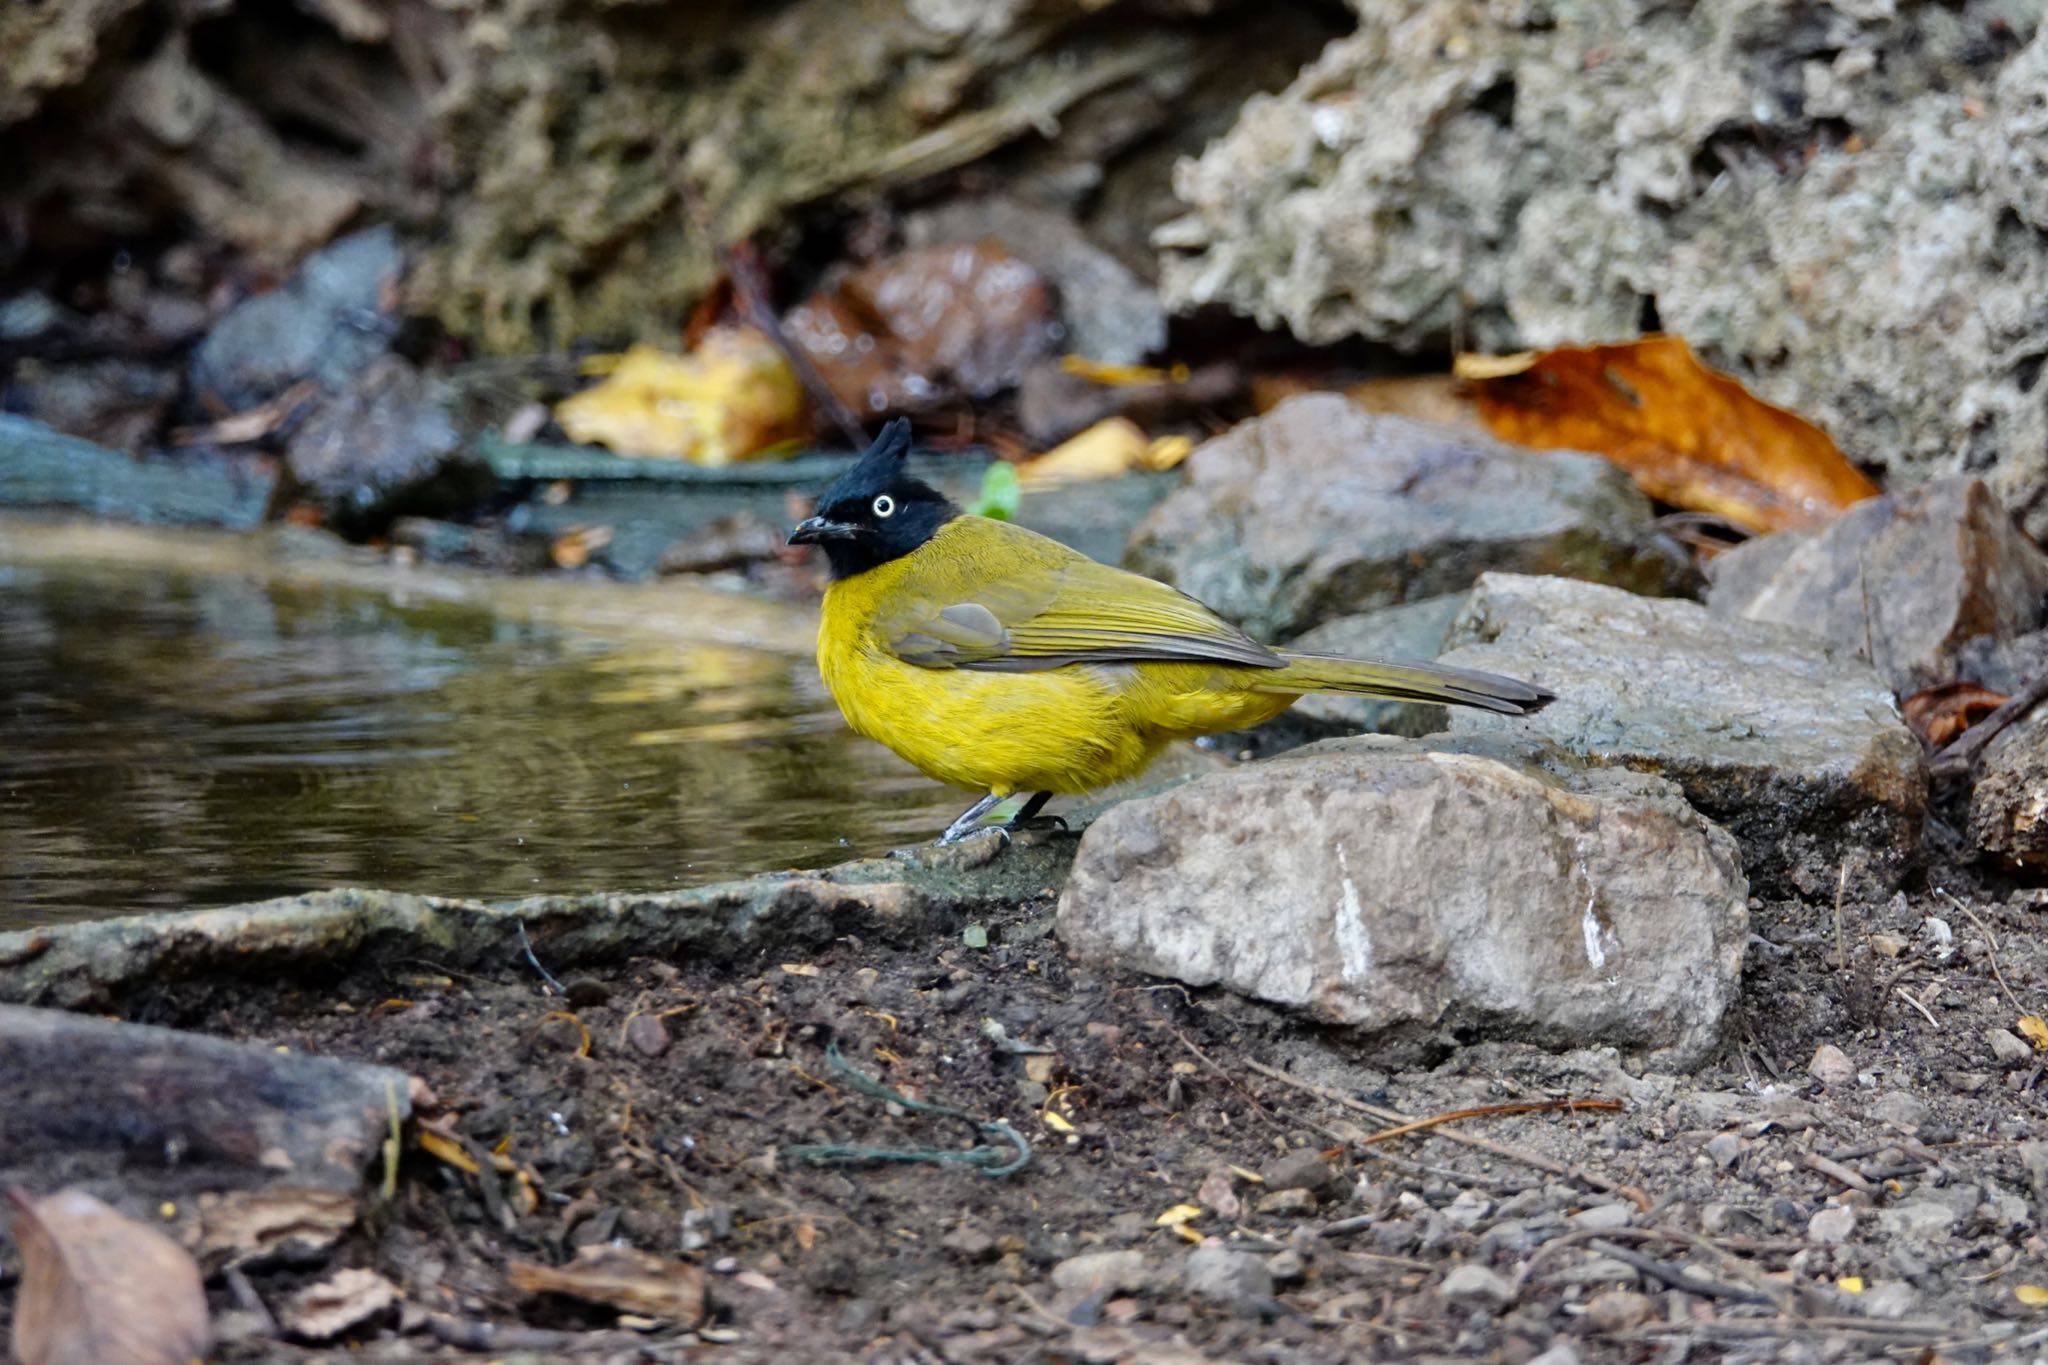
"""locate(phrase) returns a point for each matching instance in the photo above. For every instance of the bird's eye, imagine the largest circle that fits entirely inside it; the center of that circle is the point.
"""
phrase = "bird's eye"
(885, 506)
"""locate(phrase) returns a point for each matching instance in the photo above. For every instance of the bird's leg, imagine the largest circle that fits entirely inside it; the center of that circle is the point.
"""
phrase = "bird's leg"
(1027, 816)
(971, 817)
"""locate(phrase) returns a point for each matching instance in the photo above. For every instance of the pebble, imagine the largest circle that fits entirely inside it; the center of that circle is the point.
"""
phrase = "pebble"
(1478, 1286)
(1286, 1202)
(970, 1243)
(1301, 1169)
(1468, 1208)
(1831, 1066)
(1618, 1310)
(1563, 1353)
(1235, 1278)
(1092, 1272)
(2008, 1048)
(1602, 1218)
(1831, 1226)
(1892, 1299)
(1921, 1218)
(1724, 1148)
(2034, 1156)
(1287, 1265)
(1899, 1108)
(647, 1035)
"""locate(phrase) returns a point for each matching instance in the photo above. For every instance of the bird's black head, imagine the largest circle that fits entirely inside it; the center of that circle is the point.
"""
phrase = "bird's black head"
(876, 512)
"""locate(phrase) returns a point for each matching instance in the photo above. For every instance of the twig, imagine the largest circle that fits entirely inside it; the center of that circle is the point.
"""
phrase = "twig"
(1990, 948)
(1733, 1264)
(1956, 759)
(1841, 944)
(470, 1335)
(526, 946)
(1907, 996)
(1835, 1170)
(1487, 1111)
(1676, 1276)
(1499, 1149)
(1233, 1082)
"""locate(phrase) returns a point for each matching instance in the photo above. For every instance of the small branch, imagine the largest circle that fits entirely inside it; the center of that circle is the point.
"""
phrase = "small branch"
(1990, 948)
(1956, 759)
(1487, 1111)
(1835, 1170)
(1677, 1277)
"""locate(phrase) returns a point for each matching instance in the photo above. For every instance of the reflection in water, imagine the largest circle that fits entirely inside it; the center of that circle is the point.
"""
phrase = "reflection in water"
(171, 741)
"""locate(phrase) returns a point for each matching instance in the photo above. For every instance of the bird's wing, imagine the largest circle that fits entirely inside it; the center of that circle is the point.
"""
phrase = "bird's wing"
(1044, 611)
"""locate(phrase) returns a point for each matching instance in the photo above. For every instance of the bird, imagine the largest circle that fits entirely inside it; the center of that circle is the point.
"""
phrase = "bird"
(997, 659)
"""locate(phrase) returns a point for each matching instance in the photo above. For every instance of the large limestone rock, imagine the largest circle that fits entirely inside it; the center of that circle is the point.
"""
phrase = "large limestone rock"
(1319, 509)
(1841, 201)
(1795, 745)
(1419, 891)
(1912, 577)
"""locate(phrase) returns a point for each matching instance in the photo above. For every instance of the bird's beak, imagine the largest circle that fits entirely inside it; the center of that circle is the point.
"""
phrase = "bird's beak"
(817, 529)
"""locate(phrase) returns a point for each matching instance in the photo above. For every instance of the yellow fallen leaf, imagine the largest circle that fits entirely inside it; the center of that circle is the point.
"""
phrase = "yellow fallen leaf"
(1055, 1120)
(2034, 1029)
(733, 398)
(447, 1151)
(1101, 372)
(1850, 1284)
(2032, 1295)
(1186, 1233)
(1166, 452)
(1687, 435)
(1178, 1214)
(799, 969)
(1110, 449)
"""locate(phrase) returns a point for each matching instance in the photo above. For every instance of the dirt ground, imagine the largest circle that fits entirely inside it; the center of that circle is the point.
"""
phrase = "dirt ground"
(1749, 1211)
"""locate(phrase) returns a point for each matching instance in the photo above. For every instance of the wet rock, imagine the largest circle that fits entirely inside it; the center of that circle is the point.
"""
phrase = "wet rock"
(1571, 167)
(1831, 1066)
(1413, 630)
(1913, 576)
(1831, 1227)
(328, 322)
(40, 467)
(1796, 747)
(1475, 1286)
(1419, 888)
(385, 448)
(927, 326)
(1235, 1279)
(112, 401)
(1319, 509)
(1110, 314)
(2009, 803)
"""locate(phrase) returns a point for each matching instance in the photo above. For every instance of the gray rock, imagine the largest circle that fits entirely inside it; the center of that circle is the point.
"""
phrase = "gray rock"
(1237, 1279)
(1450, 175)
(1900, 1108)
(1619, 1310)
(1413, 630)
(1096, 1272)
(1831, 1066)
(1913, 577)
(1602, 1218)
(1919, 1219)
(1477, 1287)
(1891, 1299)
(41, 467)
(1397, 886)
(2008, 1048)
(2009, 803)
(1724, 1148)
(1831, 1226)
(2034, 1157)
(1794, 746)
(1302, 1169)
(387, 446)
(1319, 509)
(1564, 1352)
(328, 322)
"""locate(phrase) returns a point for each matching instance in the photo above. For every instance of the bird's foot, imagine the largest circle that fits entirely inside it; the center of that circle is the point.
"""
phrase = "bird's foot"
(957, 835)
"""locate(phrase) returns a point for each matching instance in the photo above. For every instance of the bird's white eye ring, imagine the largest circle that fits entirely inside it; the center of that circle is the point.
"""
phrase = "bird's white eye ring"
(885, 506)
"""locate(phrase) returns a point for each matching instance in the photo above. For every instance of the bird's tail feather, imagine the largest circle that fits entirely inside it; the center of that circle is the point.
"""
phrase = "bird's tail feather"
(1402, 680)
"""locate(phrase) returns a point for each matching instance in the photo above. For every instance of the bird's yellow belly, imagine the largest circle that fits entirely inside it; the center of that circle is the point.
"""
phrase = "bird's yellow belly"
(1066, 730)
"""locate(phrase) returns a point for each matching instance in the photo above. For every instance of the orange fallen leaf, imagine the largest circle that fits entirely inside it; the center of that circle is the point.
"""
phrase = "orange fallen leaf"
(624, 1278)
(1938, 714)
(101, 1289)
(1688, 435)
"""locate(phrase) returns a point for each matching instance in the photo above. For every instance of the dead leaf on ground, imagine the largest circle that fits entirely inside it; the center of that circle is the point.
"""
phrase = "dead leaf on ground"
(1688, 435)
(733, 398)
(346, 1299)
(240, 1226)
(1110, 449)
(101, 1289)
(1938, 714)
(624, 1278)
(2034, 1029)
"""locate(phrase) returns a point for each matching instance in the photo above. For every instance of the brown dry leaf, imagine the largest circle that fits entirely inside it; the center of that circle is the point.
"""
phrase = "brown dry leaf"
(1688, 435)
(245, 1225)
(101, 1289)
(348, 1298)
(733, 398)
(1938, 714)
(624, 1278)
(574, 547)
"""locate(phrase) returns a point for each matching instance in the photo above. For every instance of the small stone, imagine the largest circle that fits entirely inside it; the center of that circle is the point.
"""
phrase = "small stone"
(1287, 1265)
(1967, 1082)
(1831, 1066)
(2034, 1157)
(1468, 1208)
(1237, 1279)
(1602, 1218)
(1922, 1219)
(1724, 1148)
(1217, 1195)
(647, 1035)
(1899, 1108)
(1563, 1352)
(1098, 1272)
(1288, 1203)
(1618, 1310)
(1301, 1169)
(1831, 1226)
(1892, 1299)
(1477, 1287)
(969, 1243)
(2008, 1048)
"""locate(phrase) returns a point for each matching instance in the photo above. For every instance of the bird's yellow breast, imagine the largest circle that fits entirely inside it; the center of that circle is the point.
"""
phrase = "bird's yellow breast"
(1067, 729)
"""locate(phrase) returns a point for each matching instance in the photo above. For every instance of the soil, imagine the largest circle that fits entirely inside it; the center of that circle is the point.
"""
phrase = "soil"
(1151, 1097)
